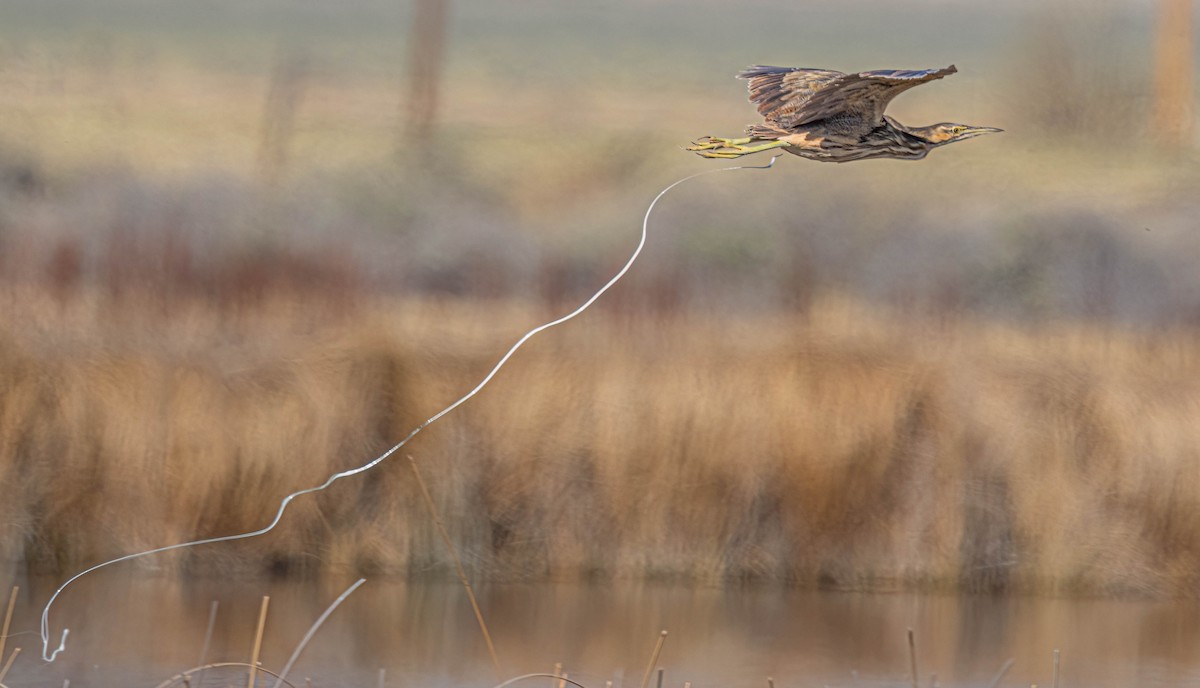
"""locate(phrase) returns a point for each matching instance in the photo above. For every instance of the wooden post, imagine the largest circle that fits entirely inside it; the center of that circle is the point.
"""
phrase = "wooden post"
(1173, 73)
(284, 95)
(427, 47)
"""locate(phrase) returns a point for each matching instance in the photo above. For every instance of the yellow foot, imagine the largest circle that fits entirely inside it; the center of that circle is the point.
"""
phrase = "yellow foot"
(711, 142)
(713, 147)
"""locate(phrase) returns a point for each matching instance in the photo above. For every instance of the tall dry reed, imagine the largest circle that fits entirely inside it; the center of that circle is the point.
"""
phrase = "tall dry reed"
(845, 449)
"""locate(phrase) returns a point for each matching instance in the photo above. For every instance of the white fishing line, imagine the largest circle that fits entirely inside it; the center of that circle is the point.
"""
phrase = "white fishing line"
(50, 656)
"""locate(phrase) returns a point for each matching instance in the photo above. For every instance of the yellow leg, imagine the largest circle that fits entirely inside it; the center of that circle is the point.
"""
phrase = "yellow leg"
(713, 147)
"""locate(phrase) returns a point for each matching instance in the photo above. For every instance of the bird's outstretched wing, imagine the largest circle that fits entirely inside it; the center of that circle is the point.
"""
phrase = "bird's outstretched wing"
(789, 97)
(779, 91)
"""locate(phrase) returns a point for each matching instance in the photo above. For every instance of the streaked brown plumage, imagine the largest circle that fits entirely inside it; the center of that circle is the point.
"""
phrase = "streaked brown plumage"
(825, 115)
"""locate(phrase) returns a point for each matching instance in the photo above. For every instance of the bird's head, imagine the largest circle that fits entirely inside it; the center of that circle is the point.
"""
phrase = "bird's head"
(948, 132)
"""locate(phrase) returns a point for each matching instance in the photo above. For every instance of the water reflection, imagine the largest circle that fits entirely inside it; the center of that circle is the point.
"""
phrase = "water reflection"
(130, 630)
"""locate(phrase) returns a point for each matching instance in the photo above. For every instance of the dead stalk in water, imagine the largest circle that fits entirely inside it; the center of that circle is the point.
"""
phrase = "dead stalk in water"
(8, 665)
(186, 675)
(12, 602)
(458, 567)
(1056, 667)
(212, 622)
(912, 657)
(523, 677)
(313, 630)
(258, 634)
(662, 638)
(1000, 674)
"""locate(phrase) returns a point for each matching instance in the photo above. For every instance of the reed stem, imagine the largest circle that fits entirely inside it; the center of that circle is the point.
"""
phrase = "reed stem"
(662, 638)
(912, 657)
(8, 665)
(458, 567)
(208, 632)
(258, 635)
(1000, 674)
(12, 602)
(313, 631)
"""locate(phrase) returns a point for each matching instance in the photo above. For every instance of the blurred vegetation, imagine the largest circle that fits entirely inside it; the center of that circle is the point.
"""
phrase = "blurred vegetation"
(848, 449)
(224, 273)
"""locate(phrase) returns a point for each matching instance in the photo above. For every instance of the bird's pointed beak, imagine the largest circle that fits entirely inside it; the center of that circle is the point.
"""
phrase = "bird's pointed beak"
(972, 132)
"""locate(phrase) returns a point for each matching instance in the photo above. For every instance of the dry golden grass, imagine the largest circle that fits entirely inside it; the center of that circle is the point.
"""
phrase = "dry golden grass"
(847, 449)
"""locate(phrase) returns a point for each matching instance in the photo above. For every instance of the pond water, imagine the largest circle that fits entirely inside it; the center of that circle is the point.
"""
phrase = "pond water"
(132, 630)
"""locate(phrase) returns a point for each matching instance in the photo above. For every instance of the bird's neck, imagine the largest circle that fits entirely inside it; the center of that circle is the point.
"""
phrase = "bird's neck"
(912, 138)
(921, 135)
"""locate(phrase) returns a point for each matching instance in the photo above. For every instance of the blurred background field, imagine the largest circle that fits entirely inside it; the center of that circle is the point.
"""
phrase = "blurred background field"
(231, 264)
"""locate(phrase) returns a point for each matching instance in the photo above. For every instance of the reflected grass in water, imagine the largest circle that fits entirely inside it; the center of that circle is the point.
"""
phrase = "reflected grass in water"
(139, 631)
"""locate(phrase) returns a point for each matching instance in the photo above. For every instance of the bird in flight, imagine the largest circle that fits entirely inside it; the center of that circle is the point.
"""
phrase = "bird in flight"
(830, 116)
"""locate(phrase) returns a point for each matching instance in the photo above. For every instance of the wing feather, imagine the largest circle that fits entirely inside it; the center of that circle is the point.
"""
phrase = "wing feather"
(789, 97)
(778, 91)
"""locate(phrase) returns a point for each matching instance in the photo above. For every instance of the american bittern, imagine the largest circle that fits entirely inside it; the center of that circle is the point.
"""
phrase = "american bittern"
(825, 115)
